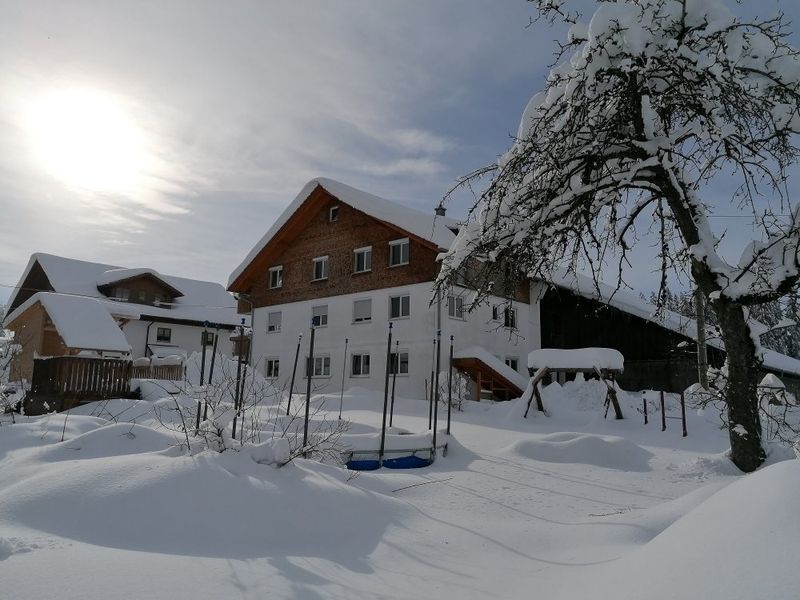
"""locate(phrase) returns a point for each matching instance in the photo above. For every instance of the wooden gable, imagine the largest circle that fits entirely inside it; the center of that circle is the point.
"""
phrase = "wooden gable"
(35, 281)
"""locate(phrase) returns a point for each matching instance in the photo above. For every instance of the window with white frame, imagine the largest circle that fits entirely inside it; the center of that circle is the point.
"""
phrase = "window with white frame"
(513, 362)
(362, 260)
(398, 252)
(207, 338)
(399, 306)
(320, 268)
(359, 365)
(362, 310)
(276, 277)
(122, 293)
(507, 315)
(321, 366)
(163, 334)
(319, 315)
(333, 214)
(399, 362)
(272, 369)
(274, 322)
(455, 306)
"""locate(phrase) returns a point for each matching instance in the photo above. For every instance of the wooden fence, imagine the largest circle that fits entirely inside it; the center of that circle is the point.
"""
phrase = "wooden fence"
(169, 372)
(62, 382)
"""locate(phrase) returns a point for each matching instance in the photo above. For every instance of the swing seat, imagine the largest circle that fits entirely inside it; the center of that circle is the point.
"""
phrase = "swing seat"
(363, 465)
(407, 462)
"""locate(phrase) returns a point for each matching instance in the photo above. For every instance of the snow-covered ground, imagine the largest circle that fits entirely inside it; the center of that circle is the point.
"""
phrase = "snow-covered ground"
(565, 506)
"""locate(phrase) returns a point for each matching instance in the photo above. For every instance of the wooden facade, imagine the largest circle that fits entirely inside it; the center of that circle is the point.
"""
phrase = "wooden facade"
(37, 336)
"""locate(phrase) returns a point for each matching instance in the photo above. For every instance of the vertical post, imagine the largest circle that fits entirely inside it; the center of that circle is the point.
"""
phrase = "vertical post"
(203, 355)
(436, 394)
(702, 354)
(238, 381)
(344, 369)
(197, 421)
(683, 415)
(395, 368)
(644, 406)
(294, 371)
(309, 375)
(450, 385)
(663, 414)
(430, 401)
(385, 396)
(213, 357)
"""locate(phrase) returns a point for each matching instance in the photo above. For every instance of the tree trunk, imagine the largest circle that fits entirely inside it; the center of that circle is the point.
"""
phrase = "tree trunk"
(744, 426)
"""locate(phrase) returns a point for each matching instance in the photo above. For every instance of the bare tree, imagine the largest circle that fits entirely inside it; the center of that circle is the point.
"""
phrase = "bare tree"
(644, 107)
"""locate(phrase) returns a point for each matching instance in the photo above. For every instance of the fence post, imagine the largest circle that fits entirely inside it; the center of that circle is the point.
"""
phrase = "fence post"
(294, 372)
(683, 415)
(385, 395)
(395, 369)
(663, 414)
(644, 406)
(450, 385)
(309, 375)
(344, 370)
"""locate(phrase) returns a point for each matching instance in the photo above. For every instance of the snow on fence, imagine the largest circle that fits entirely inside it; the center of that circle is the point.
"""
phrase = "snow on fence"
(170, 368)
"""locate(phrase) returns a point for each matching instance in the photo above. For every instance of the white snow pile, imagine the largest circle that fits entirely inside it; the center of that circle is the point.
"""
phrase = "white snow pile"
(579, 358)
(611, 452)
(736, 544)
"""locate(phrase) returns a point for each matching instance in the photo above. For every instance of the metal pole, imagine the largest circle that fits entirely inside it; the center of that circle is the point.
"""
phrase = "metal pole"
(702, 354)
(213, 357)
(294, 371)
(683, 415)
(663, 414)
(309, 374)
(430, 401)
(395, 368)
(344, 368)
(436, 395)
(644, 407)
(197, 423)
(385, 396)
(450, 385)
(238, 380)
(203, 353)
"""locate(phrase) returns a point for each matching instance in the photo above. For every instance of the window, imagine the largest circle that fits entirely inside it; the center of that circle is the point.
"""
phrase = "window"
(513, 362)
(362, 310)
(320, 268)
(509, 316)
(455, 307)
(276, 277)
(207, 338)
(142, 295)
(362, 260)
(319, 316)
(157, 299)
(360, 365)
(321, 367)
(122, 294)
(333, 214)
(273, 322)
(163, 334)
(398, 252)
(273, 368)
(400, 362)
(399, 307)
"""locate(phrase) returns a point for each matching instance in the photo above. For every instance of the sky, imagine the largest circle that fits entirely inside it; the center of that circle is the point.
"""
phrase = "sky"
(172, 134)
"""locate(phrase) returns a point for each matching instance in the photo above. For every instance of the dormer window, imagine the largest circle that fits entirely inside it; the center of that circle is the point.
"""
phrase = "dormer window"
(333, 214)
(122, 293)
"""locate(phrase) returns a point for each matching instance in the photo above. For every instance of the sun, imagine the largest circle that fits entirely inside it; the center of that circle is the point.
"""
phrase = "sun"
(86, 139)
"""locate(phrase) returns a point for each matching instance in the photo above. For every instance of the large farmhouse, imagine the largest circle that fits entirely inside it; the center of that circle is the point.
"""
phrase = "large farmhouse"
(63, 306)
(351, 263)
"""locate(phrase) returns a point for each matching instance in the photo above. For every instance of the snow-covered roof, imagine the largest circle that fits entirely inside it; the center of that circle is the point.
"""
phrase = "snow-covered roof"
(81, 322)
(201, 300)
(495, 363)
(423, 225)
(116, 275)
(634, 305)
(579, 358)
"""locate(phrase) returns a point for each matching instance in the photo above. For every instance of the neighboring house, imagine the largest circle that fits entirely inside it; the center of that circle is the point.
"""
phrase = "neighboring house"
(63, 306)
(352, 263)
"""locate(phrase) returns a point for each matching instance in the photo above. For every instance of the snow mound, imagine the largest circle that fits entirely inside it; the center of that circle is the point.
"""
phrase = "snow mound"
(607, 451)
(213, 505)
(742, 536)
(117, 439)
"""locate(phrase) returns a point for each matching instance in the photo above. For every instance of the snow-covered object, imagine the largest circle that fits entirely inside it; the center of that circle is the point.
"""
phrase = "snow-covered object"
(495, 363)
(772, 382)
(423, 225)
(201, 300)
(580, 358)
(169, 360)
(81, 322)
(273, 452)
(142, 361)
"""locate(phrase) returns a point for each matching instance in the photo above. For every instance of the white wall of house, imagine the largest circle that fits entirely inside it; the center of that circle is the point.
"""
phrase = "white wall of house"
(414, 333)
(186, 337)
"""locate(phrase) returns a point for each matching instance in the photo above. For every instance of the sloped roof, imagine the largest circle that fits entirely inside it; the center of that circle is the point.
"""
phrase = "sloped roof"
(423, 225)
(113, 276)
(497, 365)
(201, 300)
(81, 322)
(632, 304)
